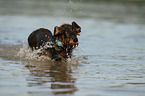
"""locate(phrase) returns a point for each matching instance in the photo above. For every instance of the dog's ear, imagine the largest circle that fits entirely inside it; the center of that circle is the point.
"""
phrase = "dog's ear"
(56, 31)
(78, 28)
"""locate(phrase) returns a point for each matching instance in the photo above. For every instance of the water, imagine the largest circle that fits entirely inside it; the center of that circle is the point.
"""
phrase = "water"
(109, 60)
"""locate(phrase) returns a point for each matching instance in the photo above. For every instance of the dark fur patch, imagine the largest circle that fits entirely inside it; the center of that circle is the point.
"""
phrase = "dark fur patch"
(38, 38)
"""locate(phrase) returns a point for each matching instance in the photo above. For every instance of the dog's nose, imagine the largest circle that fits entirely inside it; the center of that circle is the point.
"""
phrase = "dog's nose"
(75, 40)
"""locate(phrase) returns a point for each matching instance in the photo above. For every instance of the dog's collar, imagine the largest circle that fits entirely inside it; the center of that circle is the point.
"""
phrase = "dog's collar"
(57, 42)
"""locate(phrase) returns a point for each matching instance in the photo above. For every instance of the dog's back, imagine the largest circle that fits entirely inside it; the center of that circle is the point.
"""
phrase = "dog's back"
(39, 37)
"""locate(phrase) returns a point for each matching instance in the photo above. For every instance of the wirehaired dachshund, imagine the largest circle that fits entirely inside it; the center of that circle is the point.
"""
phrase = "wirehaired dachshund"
(58, 46)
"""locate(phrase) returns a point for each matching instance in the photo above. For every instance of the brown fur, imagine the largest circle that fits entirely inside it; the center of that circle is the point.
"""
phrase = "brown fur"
(66, 34)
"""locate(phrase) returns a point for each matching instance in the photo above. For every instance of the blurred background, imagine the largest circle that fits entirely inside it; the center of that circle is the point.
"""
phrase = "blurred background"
(109, 60)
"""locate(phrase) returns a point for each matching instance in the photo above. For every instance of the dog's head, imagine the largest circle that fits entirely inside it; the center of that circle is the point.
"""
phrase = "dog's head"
(66, 34)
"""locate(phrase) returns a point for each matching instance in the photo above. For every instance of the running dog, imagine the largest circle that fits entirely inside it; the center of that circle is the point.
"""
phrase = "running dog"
(58, 46)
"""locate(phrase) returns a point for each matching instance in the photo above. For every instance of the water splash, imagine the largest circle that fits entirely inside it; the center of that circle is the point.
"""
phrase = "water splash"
(67, 9)
(26, 53)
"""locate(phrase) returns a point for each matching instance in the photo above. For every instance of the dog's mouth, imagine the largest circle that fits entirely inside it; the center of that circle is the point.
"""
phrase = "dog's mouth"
(73, 46)
(69, 48)
(66, 49)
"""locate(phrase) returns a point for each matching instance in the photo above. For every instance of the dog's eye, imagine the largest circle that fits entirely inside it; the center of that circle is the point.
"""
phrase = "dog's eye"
(75, 40)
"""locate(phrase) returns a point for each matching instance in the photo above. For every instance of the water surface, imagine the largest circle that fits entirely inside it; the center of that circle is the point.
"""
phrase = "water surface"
(109, 60)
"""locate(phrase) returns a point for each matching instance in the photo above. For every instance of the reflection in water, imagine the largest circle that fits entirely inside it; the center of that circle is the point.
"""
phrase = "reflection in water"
(58, 74)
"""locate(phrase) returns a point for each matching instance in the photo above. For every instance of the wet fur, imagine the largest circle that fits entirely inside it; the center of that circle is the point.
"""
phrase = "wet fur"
(66, 34)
